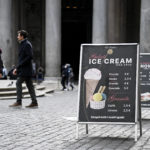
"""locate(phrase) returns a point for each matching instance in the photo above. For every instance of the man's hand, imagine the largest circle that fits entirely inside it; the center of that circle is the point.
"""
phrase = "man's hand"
(15, 72)
(0, 75)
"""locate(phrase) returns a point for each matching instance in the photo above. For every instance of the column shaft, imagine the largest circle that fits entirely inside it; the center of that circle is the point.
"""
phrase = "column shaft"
(99, 21)
(116, 21)
(6, 32)
(53, 38)
(145, 26)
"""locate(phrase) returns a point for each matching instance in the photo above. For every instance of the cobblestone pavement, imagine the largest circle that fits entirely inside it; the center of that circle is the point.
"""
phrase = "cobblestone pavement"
(47, 128)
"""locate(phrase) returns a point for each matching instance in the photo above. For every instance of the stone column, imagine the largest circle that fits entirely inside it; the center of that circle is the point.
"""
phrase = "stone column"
(16, 26)
(53, 38)
(116, 21)
(99, 21)
(145, 26)
(6, 32)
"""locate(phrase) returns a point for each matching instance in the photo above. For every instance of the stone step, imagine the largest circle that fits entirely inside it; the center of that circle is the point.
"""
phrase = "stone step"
(13, 88)
(49, 90)
(24, 92)
(8, 89)
(38, 94)
(11, 93)
(40, 87)
(4, 87)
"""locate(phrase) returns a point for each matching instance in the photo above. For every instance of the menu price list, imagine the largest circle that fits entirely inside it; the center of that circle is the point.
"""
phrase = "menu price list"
(145, 77)
(113, 108)
(119, 87)
(119, 82)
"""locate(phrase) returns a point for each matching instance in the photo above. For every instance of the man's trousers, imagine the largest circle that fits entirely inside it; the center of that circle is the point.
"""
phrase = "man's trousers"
(29, 83)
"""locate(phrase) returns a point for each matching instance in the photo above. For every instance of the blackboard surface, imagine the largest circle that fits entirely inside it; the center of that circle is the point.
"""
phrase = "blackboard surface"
(145, 79)
(108, 83)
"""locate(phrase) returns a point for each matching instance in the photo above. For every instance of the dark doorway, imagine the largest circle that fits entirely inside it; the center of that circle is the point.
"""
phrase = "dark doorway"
(73, 34)
(76, 29)
(133, 21)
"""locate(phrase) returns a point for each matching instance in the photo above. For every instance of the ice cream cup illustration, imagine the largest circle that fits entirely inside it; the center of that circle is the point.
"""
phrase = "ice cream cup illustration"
(92, 77)
(145, 96)
(98, 100)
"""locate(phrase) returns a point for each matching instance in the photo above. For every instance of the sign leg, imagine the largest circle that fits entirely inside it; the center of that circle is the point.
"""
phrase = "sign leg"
(140, 128)
(77, 131)
(136, 128)
(140, 118)
(87, 129)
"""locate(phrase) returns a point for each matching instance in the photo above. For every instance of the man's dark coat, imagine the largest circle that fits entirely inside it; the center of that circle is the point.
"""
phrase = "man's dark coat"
(24, 67)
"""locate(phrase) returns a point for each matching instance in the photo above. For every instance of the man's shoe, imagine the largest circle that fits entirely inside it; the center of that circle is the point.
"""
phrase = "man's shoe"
(16, 104)
(32, 105)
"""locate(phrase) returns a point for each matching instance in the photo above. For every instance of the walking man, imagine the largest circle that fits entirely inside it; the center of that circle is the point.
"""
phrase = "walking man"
(24, 70)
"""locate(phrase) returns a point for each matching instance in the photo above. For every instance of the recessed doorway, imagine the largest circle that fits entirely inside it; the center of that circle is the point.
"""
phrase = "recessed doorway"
(76, 29)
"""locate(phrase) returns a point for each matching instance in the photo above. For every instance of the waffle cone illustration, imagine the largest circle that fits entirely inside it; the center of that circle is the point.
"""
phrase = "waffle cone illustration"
(90, 88)
(92, 77)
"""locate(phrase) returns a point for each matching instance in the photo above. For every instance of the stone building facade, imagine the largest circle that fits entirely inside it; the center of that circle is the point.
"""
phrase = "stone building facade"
(58, 27)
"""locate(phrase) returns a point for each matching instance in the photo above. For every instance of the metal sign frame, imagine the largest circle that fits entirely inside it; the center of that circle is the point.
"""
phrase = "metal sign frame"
(137, 113)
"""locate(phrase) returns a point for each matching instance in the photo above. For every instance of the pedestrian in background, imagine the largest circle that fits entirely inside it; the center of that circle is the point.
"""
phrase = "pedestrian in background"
(64, 77)
(24, 70)
(70, 78)
(67, 77)
(5, 72)
(40, 75)
(1, 64)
